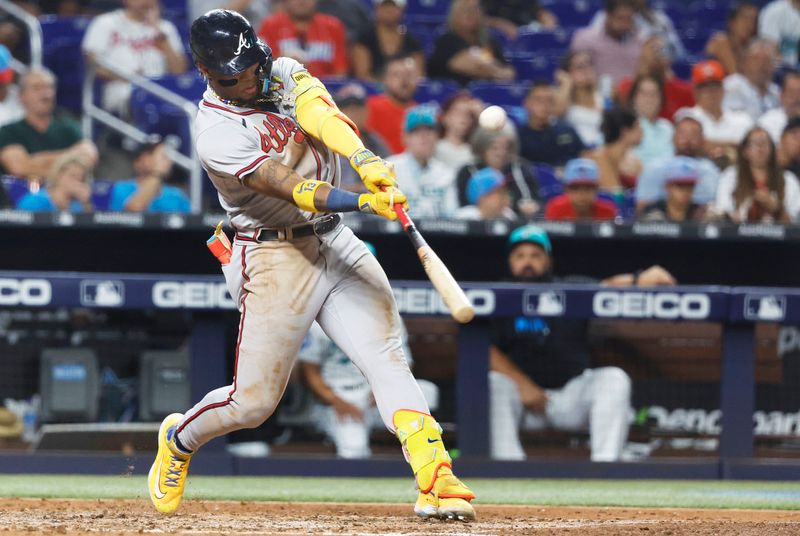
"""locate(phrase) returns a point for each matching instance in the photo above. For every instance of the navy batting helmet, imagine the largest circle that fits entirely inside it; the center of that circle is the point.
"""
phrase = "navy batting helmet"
(223, 41)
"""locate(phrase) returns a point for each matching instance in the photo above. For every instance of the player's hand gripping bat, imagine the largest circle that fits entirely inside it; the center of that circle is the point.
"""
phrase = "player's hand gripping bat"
(455, 299)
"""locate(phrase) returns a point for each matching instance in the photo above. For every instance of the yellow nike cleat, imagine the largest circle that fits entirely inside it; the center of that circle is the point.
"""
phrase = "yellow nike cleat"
(167, 477)
(453, 496)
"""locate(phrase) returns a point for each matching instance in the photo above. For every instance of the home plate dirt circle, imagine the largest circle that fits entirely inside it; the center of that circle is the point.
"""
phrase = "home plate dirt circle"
(130, 517)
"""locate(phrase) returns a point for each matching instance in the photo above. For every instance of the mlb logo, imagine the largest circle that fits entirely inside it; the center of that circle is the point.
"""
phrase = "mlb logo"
(102, 293)
(764, 307)
(544, 303)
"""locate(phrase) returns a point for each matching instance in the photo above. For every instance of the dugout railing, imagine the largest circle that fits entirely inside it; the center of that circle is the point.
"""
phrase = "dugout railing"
(737, 308)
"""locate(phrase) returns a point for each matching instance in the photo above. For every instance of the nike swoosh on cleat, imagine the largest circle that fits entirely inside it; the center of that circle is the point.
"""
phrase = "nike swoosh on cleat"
(158, 493)
(433, 440)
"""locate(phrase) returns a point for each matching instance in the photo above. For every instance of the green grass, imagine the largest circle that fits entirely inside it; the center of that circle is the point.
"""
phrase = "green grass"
(639, 493)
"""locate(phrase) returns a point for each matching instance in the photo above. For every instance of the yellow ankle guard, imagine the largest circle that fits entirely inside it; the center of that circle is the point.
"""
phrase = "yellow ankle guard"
(421, 437)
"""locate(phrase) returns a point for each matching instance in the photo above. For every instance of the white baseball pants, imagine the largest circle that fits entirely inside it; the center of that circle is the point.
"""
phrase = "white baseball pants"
(281, 287)
(597, 400)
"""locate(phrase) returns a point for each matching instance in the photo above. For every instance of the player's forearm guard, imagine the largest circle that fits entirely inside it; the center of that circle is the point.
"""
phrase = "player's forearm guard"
(303, 194)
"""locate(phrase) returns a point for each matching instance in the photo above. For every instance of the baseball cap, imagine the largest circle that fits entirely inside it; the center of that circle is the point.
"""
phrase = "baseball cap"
(482, 182)
(532, 234)
(707, 71)
(681, 170)
(420, 116)
(350, 94)
(580, 171)
(6, 72)
(399, 3)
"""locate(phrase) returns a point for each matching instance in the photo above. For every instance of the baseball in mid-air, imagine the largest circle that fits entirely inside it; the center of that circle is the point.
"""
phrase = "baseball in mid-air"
(492, 118)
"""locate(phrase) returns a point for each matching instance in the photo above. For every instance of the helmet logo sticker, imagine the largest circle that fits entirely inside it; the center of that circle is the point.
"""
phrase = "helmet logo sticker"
(242, 44)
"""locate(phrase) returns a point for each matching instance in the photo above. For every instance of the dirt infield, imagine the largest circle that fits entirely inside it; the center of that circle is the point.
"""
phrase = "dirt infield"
(79, 517)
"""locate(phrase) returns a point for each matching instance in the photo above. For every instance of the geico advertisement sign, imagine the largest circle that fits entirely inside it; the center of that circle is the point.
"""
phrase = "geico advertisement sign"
(426, 301)
(33, 292)
(709, 422)
(191, 295)
(664, 305)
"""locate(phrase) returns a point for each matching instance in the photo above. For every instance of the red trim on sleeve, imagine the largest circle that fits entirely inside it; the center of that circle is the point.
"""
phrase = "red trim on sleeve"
(252, 166)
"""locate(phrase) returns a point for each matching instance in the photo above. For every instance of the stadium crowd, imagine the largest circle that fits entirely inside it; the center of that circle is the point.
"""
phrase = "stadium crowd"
(631, 110)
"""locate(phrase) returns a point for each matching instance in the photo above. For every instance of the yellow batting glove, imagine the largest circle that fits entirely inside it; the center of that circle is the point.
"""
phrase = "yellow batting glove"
(382, 203)
(375, 172)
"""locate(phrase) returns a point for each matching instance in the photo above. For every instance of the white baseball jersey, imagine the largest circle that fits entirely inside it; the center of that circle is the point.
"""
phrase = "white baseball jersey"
(233, 141)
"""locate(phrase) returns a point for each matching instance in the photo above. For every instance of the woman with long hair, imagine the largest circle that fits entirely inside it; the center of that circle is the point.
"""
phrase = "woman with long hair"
(645, 99)
(619, 167)
(578, 99)
(728, 47)
(467, 51)
(387, 38)
(457, 120)
(755, 190)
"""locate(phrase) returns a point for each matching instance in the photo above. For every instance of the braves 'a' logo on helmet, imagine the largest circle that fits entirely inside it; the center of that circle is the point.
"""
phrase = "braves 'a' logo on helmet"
(242, 44)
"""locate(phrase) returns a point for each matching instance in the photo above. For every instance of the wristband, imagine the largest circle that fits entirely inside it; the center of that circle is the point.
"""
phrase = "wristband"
(342, 201)
(303, 194)
(360, 157)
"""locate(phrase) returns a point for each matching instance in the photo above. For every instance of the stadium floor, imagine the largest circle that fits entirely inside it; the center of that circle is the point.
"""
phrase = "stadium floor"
(81, 505)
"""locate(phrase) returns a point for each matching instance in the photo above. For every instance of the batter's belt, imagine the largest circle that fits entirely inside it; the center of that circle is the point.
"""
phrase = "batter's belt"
(318, 227)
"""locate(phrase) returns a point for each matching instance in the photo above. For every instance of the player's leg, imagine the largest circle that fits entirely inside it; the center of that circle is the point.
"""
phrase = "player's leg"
(360, 315)
(505, 416)
(280, 297)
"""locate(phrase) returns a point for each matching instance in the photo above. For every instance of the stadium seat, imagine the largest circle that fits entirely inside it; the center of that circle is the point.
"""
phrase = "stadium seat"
(574, 13)
(101, 194)
(502, 94)
(335, 83)
(549, 183)
(16, 187)
(435, 90)
(539, 67)
(429, 8)
(62, 54)
(528, 43)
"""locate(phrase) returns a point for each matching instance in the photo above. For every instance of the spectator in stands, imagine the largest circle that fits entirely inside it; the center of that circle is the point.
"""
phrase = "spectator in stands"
(728, 47)
(500, 150)
(387, 38)
(11, 109)
(147, 191)
(756, 190)
(578, 100)
(779, 22)
(428, 183)
(650, 22)
(346, 412)
(752, 90)
(546, 138)
(30, 146)
(254, 11)
(509, 16)
(680, 178)
(386, 111)
(540, 373)
(688, 142)
(646, 98)
(352, 101)
(775, 120)
(353, 14)
(789, 147)
(613, 46)
(457, 121)
(467, 51)
(66, 188)
(488, 197)
(580, 201)
(723, 129)
(619, 166)
(317, 41)
(134, 39)
(656, 61)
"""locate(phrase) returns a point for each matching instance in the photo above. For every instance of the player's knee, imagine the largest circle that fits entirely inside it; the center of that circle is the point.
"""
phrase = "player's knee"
(253, 413)
(616, 382)
(500, 384)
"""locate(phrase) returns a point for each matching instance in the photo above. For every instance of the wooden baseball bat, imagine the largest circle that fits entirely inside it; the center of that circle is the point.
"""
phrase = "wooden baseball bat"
(452, 294)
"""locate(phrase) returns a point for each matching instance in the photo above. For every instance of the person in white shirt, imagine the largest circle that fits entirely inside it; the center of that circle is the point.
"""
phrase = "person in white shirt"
(756, 190)
(775, 120)
(752, 90)
(723, 129)
(11, 109)
(779, 22)
(428, 183)
(135, 39)
(458, 118)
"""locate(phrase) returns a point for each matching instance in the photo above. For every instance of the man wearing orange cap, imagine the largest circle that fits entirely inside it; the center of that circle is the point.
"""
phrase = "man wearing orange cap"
(723, 129)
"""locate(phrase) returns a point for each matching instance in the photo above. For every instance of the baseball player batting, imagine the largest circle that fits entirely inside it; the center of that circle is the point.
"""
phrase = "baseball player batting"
(270, 136)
